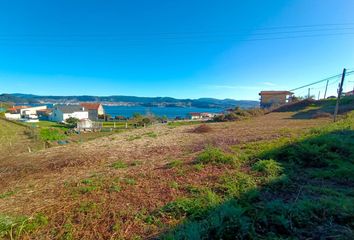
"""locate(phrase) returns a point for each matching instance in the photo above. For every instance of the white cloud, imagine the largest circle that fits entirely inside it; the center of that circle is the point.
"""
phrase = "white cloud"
(268, 83)
(230, 87)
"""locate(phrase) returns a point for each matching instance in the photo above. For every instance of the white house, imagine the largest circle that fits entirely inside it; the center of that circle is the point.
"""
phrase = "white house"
(95, 110)
(31, 110)
(195, 116)
(62, 112)
(201, 116)
(13, 116)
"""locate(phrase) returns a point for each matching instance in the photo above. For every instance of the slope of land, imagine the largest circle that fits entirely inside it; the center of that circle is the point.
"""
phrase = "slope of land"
(15, 139)
(259, 177)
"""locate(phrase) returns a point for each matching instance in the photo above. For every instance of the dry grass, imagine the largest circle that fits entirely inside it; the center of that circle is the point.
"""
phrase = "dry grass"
(76, 187)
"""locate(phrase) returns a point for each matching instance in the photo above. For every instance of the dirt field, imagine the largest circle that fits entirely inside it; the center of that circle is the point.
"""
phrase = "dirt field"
(53, 181)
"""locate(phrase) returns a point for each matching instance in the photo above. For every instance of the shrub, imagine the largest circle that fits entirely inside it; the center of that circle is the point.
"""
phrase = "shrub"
(215, 156)
(72, 122)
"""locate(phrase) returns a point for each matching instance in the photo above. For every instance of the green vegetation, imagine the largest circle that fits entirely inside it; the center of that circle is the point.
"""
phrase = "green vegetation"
(72, 122)
(51, 134)
(129, 181)
(214, 156)
(239, 114)
(195, 206)
(183, 123)
(151, 134)
(270, 167)
(119, 164)
(7, 194)
(280, 196)
(175, 164)
(17, 227)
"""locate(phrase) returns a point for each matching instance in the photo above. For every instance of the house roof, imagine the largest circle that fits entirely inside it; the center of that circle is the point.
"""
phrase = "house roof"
(16, 108)
(275, 93)
(91, 106)
(195, 114)
(70, 108)
(349, 93)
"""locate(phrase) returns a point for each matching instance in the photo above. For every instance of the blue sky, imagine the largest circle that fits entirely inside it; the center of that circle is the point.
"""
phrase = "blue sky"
(183, 49)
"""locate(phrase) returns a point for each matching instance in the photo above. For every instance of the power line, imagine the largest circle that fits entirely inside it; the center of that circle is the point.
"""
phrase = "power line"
(168, 35)
(329, 78)
(200, 40)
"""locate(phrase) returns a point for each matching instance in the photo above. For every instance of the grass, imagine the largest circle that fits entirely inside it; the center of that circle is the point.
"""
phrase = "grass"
(17, 227)
(278, 188)
(129, 181)
(133, 137)
(259, 204)
(116, 124)
(175, 164)
(119, 164)
(214, 156)
(270, 167)
(48, 124)
(7, 194)
(151, 134)
(51, 134)
(16, 138)
(183, 123)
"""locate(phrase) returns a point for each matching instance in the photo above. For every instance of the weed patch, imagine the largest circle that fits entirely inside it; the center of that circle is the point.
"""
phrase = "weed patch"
(270, 168)
(214, 156)
(16, 227)
(119, 164)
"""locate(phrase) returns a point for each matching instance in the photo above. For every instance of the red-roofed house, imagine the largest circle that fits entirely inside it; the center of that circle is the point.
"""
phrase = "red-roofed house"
(16, 109)
(94, 110)
(350, 93)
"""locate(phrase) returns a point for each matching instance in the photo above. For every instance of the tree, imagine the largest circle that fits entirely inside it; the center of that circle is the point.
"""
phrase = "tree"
(72, 122)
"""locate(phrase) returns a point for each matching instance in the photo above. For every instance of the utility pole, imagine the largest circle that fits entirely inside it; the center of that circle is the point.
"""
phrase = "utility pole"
(308, 94)
(339, 95)
(319, 92)
(326, 89)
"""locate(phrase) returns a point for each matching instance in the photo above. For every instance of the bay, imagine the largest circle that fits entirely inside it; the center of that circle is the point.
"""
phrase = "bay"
(170, 112)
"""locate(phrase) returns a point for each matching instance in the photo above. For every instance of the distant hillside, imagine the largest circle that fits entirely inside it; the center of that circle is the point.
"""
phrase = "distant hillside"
(10, 98)
(131, 101)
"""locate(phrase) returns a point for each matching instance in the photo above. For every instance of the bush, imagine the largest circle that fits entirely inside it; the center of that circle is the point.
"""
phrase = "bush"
(214, 156)
(72, 122)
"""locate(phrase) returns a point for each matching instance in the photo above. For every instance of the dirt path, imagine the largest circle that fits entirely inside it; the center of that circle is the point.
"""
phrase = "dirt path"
(37, 180)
